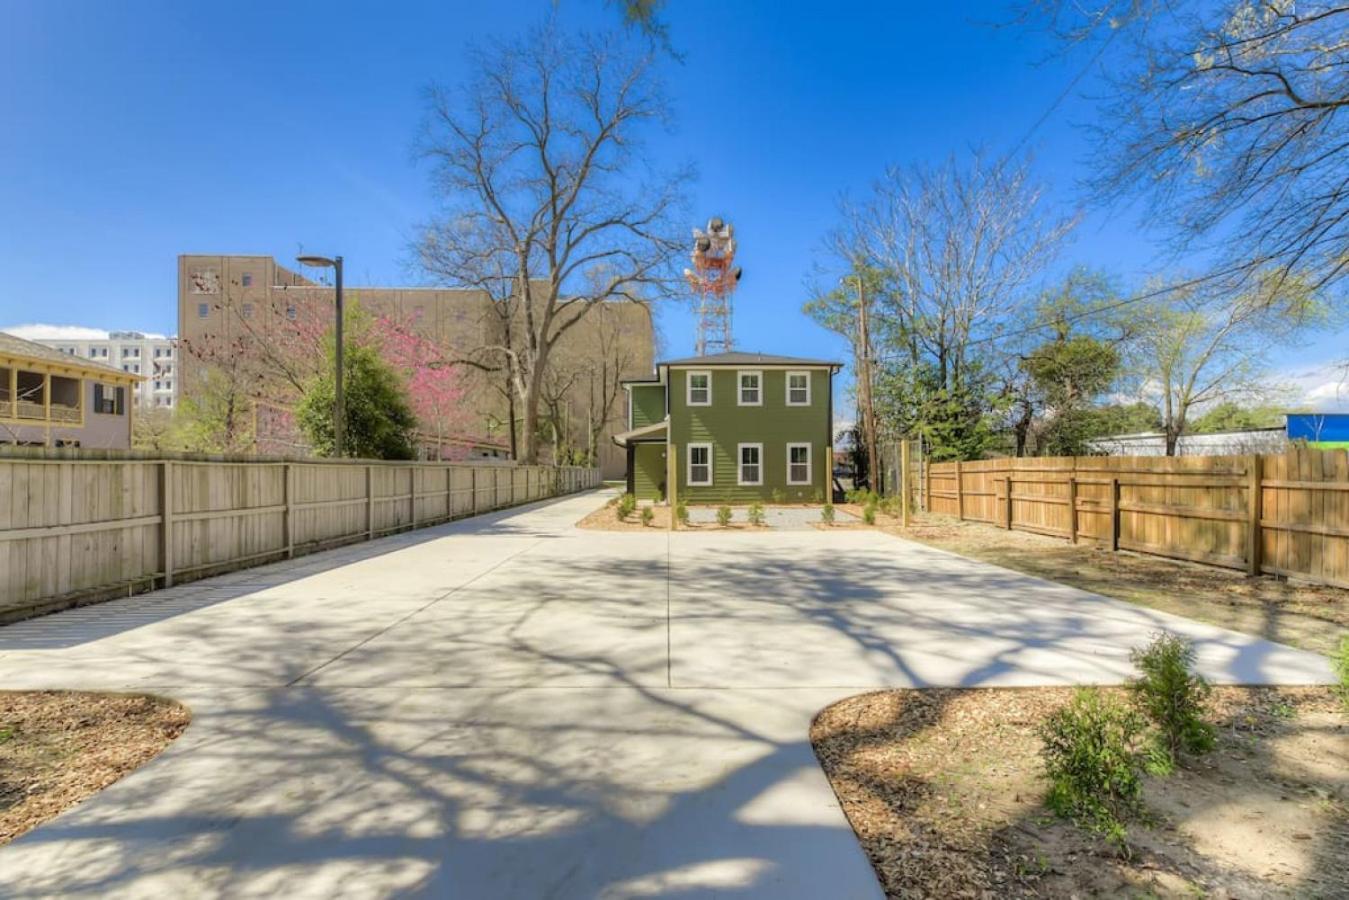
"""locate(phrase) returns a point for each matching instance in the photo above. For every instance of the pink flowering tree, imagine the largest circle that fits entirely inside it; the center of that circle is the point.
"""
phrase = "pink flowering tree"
(436, 389)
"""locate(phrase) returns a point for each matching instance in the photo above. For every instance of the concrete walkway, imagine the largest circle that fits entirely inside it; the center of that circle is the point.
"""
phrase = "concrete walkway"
(508, 707)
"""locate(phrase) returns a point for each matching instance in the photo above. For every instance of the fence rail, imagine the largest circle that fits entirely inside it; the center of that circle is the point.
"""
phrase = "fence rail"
(76, 529)
(1283, 514)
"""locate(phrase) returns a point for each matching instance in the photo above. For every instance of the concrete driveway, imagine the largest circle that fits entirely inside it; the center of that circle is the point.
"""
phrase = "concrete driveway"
(508, 707)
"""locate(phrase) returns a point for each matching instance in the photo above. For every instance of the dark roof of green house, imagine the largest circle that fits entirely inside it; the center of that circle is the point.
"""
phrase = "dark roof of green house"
(740, 358)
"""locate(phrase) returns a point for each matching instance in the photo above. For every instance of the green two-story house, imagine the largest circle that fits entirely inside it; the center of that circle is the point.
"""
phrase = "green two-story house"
(731, 428)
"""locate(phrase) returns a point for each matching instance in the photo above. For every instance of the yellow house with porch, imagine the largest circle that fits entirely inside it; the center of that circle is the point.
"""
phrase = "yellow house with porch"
(53, 399)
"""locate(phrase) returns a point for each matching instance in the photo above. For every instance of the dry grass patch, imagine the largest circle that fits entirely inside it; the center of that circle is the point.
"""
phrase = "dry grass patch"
(1313, 617)
(59, 747)
(945, 791)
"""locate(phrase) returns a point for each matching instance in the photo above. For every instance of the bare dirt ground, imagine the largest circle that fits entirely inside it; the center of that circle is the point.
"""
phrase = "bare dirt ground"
(1313, 617)
(944, 790)
(60, 747)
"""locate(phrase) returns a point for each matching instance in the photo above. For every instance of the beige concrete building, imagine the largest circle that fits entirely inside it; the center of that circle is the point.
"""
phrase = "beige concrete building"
(223, 301)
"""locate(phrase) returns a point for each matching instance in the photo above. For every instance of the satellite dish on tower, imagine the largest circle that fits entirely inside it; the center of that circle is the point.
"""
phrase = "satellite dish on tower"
(712, 281)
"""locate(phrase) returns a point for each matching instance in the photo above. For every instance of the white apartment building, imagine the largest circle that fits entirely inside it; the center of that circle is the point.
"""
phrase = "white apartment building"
(152, 356)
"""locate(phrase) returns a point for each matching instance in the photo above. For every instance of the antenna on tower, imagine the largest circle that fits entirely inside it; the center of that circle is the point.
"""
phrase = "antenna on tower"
(712, 281)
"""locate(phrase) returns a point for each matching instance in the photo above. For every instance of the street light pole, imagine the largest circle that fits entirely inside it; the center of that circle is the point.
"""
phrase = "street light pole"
(339, 399)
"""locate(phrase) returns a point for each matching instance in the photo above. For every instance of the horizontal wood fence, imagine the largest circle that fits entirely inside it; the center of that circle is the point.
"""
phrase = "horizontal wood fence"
(80, 529)
(1284, 514)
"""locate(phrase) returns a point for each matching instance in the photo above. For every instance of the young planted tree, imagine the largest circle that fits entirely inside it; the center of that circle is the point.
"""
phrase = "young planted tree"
(551, 207)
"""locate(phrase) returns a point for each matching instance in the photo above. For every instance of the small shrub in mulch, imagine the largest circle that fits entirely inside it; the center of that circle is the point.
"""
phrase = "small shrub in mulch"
(723, 516)
(945, 789)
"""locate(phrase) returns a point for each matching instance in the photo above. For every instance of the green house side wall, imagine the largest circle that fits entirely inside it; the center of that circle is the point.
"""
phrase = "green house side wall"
(648, 471)
(648, 404)
(725, 424)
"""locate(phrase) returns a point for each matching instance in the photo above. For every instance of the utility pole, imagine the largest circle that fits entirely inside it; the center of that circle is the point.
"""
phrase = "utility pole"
(864, 389)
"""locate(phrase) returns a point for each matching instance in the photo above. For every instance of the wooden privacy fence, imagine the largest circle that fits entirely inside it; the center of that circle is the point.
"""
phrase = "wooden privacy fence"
(1285, 514)
(75, 528)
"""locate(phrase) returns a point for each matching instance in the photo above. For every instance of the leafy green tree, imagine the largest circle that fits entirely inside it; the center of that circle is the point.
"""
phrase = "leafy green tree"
(378, 418)
(1229, 416)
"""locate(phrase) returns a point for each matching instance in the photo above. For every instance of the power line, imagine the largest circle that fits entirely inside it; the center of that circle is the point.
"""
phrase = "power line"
(1108, 307)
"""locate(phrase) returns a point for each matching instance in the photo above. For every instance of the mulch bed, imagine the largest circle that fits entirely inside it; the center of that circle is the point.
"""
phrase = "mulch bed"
(58, 748)
(944, 791)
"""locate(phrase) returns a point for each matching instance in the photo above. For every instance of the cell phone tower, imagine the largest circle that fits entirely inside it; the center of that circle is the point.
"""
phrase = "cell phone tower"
(713, 280)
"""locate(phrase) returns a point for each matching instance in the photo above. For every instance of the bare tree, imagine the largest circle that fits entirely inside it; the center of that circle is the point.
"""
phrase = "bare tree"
(1198, 347)
(954, 250)
(1231, 119)
(552, 209)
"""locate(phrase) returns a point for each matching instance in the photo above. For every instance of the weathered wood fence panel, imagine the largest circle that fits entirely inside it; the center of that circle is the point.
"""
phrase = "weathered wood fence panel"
(76, 529)
(1284, 514)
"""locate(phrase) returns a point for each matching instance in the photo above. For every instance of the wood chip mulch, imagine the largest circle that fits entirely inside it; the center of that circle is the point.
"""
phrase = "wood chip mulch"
(945, 793)
(58, 748)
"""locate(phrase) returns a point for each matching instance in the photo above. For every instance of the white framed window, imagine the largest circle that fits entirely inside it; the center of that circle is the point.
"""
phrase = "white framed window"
(700, 464)
(751, 464)
(798, 389)
(750, 388)
(798, 464)
(699, 389)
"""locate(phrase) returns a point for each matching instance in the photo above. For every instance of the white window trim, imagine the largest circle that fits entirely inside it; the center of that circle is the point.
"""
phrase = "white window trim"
(740, 465)
(688, 466)
(739, 390)
(688, 387)
(810, 467)
(788, 382)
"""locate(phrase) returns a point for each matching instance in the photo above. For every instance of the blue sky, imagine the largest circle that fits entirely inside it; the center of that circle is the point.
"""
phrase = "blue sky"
(138, 130)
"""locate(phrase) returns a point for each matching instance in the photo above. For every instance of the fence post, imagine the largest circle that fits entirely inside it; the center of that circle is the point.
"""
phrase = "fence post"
(1114, 513)
(927, 476)
(166, 519)
(960, 495)
(1254, 512)
(1007, 482)
(1072, 508)
(904, 482)
(473, 489)
(287, 525)
(412, 495)
(369, 503)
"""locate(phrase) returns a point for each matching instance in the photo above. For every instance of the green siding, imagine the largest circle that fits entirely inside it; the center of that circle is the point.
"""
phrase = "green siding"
(648, 471)
(725, 424)
(648, 404)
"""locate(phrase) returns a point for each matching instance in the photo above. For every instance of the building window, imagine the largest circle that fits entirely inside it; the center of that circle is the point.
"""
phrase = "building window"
(798, 463)
(700, 389)
(203, 310)
(700, 464)
(751, 388)
(109, 400)
(751, 464)
(247, 311)
(798, 389)
(247, 279)
(291, 312)
(93, 351)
